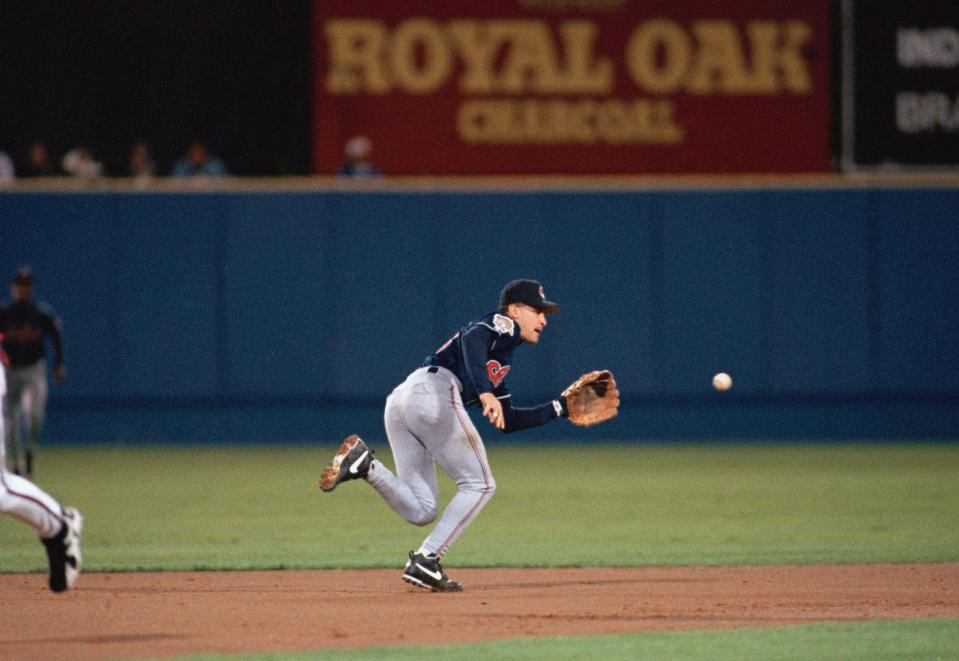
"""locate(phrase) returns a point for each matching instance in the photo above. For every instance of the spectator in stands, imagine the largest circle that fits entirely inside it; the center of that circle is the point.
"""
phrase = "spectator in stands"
(356, 156)
(79, 162)
(7, 173)
(197, 162)
(141, 165)
(38, 162)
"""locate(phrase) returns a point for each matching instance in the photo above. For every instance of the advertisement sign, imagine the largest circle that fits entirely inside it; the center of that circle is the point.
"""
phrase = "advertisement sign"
(901, 84)
(573, 86)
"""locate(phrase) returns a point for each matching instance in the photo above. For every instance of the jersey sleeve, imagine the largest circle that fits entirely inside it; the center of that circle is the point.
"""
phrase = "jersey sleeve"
(517, 419)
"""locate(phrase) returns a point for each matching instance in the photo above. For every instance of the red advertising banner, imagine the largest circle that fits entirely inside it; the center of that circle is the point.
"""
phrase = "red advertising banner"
(573, 86)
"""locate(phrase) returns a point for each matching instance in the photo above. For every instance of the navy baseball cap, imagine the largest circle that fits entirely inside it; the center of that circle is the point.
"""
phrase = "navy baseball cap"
(529, 292)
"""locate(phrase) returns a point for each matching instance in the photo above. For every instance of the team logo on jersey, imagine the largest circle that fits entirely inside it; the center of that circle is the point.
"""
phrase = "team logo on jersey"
(504, 325)
(496, 372)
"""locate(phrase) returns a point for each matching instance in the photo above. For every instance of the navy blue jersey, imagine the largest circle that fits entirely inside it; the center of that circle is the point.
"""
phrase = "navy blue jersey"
(481, 356)
(23, 326)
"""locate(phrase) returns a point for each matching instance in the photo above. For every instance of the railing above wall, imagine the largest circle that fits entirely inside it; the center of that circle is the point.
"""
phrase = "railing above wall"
(847, 181)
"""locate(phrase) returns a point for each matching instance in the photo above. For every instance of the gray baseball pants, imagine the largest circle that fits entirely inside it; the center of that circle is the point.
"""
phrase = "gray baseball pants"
(427, 424)
(26, 396)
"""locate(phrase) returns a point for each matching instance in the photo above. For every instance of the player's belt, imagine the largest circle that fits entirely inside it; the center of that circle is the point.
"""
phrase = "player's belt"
(445, 373)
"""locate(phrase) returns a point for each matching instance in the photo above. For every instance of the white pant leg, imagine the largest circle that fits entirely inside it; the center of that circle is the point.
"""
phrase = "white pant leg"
(413, 492)
(458, 449)
(22, 499)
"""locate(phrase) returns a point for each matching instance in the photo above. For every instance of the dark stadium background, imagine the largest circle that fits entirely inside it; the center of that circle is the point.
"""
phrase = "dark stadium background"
(235, 74)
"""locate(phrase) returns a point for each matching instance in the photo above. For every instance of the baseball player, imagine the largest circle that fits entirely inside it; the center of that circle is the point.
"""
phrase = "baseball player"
(427, 424)
(24, 326)
(59, 528)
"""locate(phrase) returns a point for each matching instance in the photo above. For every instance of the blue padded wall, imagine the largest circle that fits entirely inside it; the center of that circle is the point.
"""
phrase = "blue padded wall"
(252, 316)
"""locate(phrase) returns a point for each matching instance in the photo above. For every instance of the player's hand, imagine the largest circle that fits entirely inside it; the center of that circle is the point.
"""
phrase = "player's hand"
(492, 410)
(60, 373)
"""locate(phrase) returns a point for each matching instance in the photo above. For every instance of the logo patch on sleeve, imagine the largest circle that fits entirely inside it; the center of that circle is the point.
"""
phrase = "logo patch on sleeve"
(496, 372)
(504, 325)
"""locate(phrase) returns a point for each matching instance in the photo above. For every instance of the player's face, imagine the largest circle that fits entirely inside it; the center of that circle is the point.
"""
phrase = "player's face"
(531, 321)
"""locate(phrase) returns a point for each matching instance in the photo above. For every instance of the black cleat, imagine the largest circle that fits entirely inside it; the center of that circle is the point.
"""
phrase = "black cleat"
(352, 461)
(63, 552)
(424, 571)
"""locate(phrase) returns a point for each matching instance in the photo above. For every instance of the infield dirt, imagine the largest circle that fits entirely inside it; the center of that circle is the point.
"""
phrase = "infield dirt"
(133, 615)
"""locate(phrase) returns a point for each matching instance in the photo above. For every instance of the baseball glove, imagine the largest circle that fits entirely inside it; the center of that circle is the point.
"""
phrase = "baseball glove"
(592, 398)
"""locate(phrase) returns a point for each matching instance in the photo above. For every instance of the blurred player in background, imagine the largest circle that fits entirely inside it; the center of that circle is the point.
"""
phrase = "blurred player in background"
(59, 528)
(24, 325)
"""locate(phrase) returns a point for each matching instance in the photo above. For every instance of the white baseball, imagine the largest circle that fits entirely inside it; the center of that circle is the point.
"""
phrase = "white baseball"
(722, 381)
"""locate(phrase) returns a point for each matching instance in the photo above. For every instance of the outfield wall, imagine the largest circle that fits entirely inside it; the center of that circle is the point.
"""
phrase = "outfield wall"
(231, 315)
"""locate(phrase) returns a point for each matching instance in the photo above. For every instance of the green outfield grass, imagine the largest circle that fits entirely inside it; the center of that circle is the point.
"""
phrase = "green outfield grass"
(259, 507)
(877, 641)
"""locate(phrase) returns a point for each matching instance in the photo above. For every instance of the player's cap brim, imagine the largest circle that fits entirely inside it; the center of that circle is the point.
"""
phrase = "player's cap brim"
(545, 306)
